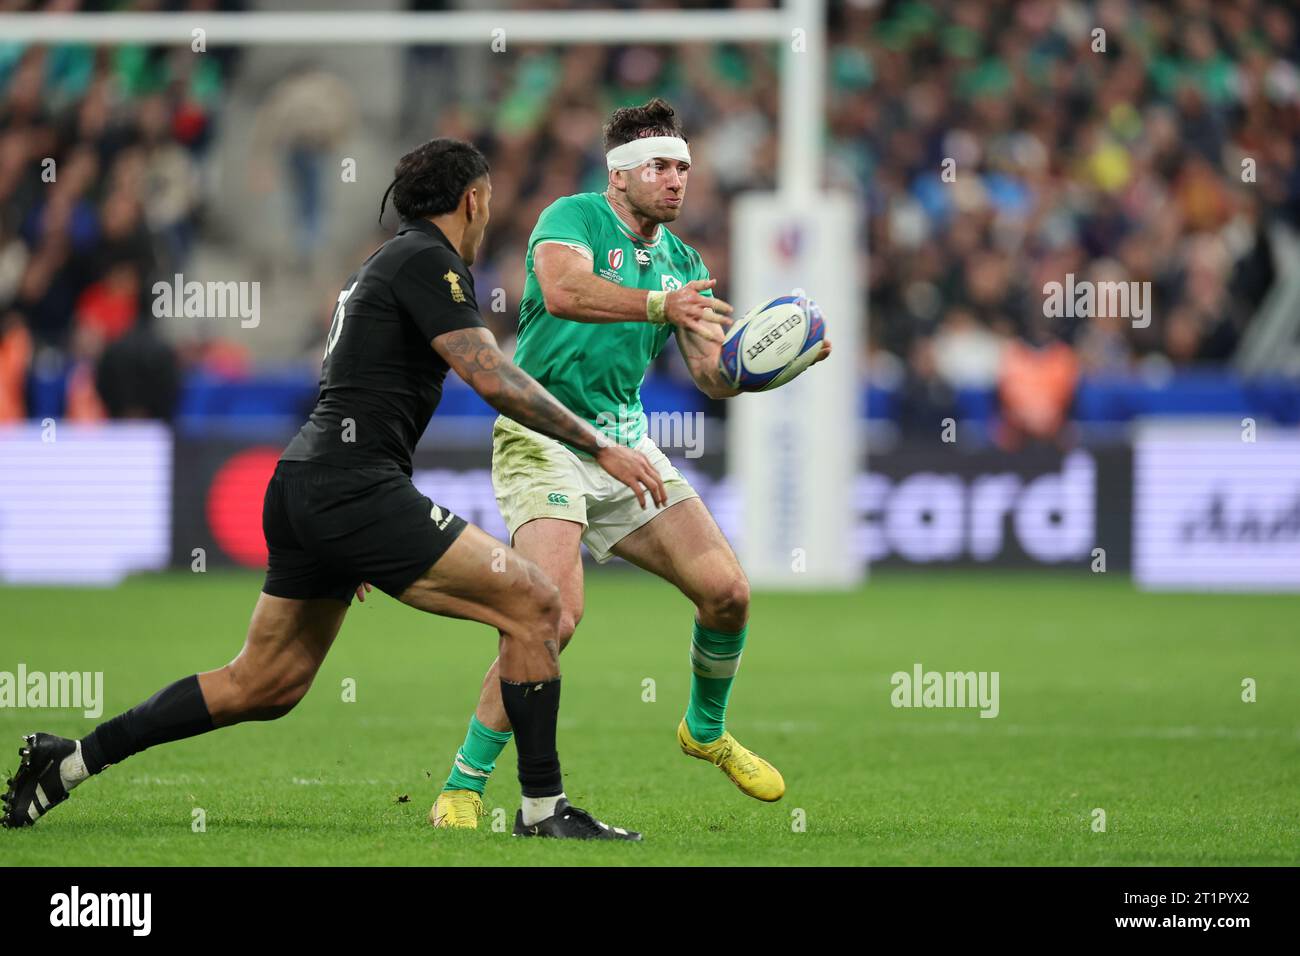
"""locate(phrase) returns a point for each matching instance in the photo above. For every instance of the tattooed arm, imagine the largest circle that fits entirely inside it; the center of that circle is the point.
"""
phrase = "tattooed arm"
(475, 357)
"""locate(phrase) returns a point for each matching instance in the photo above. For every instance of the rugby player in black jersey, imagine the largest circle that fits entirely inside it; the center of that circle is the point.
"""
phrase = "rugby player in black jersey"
(342, 513)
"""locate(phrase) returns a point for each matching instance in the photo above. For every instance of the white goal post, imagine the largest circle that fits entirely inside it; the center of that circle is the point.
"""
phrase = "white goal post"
(809, 226)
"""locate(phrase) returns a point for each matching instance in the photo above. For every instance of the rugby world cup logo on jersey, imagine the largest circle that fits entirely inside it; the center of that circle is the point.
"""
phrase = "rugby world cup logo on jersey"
(208, 300)
(453, 285)
(615, 259)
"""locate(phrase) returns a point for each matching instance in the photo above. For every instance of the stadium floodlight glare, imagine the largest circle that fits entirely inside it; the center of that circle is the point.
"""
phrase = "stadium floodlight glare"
(798, 26)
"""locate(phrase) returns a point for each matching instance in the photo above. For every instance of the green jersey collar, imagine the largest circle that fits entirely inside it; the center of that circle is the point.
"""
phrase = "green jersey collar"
(623, 227)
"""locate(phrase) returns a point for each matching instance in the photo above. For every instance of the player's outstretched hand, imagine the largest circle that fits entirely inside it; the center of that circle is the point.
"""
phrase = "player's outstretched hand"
(634, 470)
(704, 315)
(825, 351)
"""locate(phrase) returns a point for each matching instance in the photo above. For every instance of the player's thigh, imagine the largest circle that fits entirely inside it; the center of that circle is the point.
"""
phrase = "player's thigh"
(535, 477)
(286, 643)
(614, 512)
(685, 547)
(478, 578)
(554, 546)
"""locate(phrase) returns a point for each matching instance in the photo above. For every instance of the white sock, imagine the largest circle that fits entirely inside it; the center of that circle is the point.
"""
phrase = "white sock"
(72, 769)
(537, 809)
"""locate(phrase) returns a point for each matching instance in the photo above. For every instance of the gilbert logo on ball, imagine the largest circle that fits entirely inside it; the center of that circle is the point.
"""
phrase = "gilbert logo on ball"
(772, 344)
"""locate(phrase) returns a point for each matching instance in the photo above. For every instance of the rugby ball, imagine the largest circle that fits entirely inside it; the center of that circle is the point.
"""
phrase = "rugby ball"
(772, 344)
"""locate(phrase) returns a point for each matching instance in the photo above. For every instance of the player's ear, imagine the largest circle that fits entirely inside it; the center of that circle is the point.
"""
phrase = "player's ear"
(618, 179)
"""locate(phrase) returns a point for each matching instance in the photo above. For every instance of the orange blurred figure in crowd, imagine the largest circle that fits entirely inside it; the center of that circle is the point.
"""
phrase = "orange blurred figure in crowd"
(1035, 390)
(15, 358)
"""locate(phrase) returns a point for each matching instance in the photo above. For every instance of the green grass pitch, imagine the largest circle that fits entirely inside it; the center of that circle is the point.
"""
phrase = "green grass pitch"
(1110, 699)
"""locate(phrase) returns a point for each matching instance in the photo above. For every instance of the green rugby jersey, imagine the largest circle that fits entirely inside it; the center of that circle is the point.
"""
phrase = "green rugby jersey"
(596, 369)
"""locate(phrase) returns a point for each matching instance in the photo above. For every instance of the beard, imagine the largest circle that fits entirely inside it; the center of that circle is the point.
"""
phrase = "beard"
(655, 213)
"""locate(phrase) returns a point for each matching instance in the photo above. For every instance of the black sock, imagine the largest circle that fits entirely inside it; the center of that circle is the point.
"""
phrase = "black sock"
(174, 713)
(533, 710)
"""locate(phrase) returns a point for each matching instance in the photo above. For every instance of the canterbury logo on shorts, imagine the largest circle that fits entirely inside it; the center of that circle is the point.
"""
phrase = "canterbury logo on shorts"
(555, 498)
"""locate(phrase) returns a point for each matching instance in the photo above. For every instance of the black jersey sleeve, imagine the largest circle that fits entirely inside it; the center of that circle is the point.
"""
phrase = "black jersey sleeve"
(435, 289)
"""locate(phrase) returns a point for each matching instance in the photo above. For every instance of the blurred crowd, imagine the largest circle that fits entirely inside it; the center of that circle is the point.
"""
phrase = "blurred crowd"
(101, 160)
(1150, 142)
(994, 148)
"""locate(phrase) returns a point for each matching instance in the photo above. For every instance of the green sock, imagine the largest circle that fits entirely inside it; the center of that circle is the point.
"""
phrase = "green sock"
(715, 657)
(477, 757)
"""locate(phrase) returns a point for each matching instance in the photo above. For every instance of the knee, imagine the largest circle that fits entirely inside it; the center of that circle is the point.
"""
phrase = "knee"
(570, 618)
(269, 696)
(284, 697)
(726, 607)
(543, 609)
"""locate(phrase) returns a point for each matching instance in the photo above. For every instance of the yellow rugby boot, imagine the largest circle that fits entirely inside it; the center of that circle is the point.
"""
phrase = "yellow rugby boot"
(457, 808)
(750, 772)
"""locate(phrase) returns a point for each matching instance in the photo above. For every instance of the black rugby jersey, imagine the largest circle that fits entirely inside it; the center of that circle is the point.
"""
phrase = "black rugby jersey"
(381, 380)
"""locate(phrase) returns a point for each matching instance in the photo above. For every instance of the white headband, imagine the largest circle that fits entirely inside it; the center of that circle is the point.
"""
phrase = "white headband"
(640, 151)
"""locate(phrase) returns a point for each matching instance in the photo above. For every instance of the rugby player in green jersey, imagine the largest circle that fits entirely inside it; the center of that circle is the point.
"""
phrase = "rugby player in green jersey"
(607, 286)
